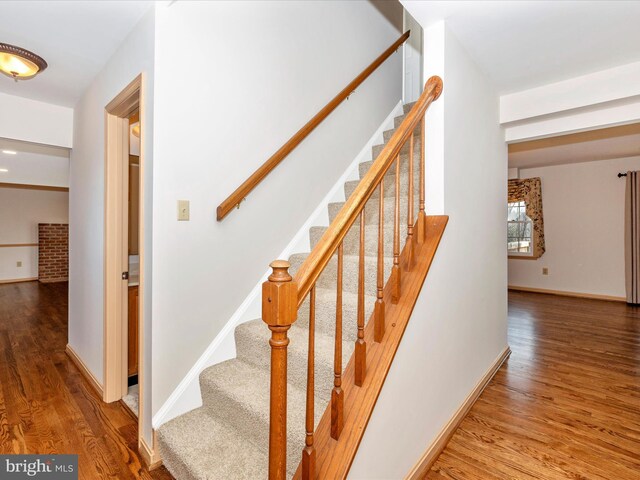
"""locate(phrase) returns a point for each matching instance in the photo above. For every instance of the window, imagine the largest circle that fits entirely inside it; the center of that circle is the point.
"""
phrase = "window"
(519, 230)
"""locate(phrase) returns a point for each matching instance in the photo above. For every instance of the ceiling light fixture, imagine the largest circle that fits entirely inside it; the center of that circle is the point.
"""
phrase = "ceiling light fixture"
(18, 63)
(9, 152)
(3, 170)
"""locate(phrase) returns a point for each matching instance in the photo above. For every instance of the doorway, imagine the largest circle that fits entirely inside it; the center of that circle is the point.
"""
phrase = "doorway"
(124, 252)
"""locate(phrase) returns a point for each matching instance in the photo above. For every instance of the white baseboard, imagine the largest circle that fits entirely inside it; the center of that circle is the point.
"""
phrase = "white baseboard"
(187, 395)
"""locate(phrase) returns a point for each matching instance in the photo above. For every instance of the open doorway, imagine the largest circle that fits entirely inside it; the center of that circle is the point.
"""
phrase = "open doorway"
(566, 212)
(124, 252)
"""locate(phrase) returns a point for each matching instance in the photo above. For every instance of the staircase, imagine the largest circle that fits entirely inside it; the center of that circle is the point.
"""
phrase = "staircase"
(228, 437)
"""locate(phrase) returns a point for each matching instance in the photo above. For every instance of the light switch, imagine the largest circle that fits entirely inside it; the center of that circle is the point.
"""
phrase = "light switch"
(183, 210)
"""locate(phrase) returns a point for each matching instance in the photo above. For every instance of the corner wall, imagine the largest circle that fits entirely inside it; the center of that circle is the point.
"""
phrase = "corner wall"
(459, 324)
(86, 199)
(264, 69)
(583, 207)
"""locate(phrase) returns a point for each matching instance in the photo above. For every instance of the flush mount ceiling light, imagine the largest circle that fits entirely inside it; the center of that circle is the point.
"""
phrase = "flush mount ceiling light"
(18, 63)
(4, 170)
(9, 152)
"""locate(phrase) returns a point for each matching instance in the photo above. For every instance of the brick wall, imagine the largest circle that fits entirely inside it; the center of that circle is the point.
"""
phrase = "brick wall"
(53, 252)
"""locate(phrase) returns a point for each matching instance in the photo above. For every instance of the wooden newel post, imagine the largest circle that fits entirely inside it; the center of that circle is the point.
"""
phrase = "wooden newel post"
(279, 311)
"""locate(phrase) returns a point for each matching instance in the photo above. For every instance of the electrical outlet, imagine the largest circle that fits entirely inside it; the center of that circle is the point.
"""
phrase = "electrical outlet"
(18, 264)
(545, 270)
(183, 210)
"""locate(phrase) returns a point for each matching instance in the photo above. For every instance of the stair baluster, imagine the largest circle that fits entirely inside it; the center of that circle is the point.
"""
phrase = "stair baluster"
(337, 394)
(379, 307)
(361, 345)
(410, 208)
(395, 271)
(279, 311)
(422, 216)
(309, 451)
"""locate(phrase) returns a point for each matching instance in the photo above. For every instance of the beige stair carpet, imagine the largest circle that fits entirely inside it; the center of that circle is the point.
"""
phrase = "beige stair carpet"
(227, 438)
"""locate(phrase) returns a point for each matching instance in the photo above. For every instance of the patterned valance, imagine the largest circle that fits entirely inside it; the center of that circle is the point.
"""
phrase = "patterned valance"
(529, 191)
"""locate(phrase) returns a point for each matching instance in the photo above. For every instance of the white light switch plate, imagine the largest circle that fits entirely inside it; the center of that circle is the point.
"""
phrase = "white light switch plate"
(183, 210)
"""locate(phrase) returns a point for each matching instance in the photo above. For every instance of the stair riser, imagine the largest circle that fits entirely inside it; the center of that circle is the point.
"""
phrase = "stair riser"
(328, 277)
(387, 134)
(371, 211)
(256, 429)
(351, 242)
(404, 162)
(377, 149)
(389, 187)
(326, 316)
(256, 351)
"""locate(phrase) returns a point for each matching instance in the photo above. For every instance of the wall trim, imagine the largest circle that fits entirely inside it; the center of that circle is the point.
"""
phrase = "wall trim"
(11, 245)
(84, 370)
(149, 456)
(434, 450)
(19, 280)
(562, 293)
(26, 186)
(186, 396)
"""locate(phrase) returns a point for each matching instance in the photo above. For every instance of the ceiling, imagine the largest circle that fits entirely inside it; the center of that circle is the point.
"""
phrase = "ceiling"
(76, 38)
(34, 164)
(525, 44)
(603, 144)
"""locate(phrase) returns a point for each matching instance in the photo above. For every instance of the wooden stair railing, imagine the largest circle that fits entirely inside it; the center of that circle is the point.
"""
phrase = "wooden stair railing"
(240, 193)
(282, 295)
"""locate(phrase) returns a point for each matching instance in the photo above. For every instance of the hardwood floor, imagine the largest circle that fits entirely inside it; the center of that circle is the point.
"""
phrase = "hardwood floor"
(565, 405)
(46, 406)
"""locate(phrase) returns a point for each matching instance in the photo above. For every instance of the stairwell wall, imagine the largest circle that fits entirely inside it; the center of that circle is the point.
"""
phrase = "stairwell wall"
(459, 325)
(263, 70)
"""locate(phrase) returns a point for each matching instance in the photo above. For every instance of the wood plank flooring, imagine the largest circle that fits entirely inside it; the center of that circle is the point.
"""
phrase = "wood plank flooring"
(565, 405)
(46, 406)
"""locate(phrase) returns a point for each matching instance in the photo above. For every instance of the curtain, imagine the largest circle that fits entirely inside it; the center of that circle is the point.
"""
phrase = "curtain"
(529, 191)
(632, 237)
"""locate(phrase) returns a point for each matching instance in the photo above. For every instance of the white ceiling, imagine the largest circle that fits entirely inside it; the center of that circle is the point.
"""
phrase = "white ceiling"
(525, 44)
(616, 142)
(34, 164)
(76, 38)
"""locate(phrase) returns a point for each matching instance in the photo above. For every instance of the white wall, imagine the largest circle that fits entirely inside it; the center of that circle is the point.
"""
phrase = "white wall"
(583, 205)
(264, 69)
(20, 212)
(86, 200)
(38, 122)
(459, 324)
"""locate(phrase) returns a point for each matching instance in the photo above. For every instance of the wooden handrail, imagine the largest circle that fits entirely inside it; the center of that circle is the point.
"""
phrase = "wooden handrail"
(256, 177)
(318, 259)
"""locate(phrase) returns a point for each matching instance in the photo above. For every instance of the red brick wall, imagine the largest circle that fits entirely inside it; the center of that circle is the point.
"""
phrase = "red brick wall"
(53, 252)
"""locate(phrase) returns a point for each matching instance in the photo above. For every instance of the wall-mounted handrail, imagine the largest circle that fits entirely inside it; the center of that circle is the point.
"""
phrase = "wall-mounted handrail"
(256, 177)
(319, 257)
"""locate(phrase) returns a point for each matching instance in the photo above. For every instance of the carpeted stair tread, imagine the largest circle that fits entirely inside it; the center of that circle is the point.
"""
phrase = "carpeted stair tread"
(326, 312)
(237, 393)
(197, 446)
(252, 340)
(406, 108)
(390, 176)
(372, 207)
(351, 242)
(350, 272)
